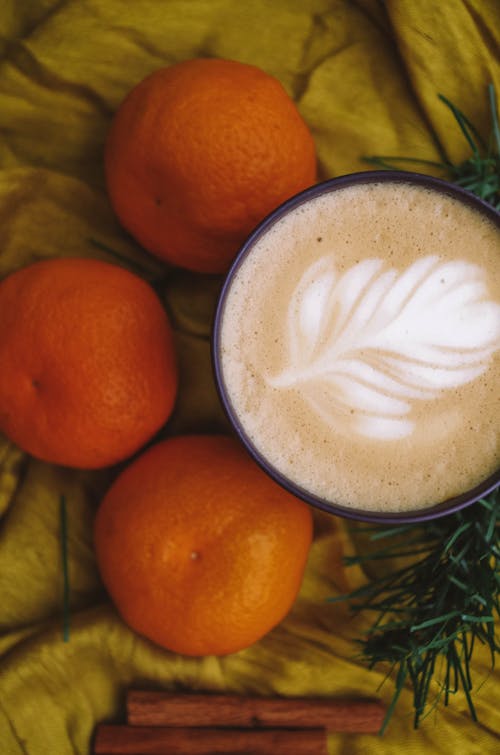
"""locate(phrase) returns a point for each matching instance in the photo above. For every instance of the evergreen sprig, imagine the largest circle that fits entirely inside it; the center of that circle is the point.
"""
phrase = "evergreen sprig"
(437, 606)
(480, 173)
(432, 612)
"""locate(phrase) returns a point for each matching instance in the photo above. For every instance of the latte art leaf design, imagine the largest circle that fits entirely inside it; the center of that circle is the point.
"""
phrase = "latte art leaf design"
(364, 345)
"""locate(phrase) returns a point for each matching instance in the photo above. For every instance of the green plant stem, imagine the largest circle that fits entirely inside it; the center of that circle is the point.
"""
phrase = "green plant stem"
(65, 568)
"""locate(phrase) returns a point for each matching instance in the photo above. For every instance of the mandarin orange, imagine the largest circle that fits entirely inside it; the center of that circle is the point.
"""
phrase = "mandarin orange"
(199, 153)
(199, 549)
(88, 366)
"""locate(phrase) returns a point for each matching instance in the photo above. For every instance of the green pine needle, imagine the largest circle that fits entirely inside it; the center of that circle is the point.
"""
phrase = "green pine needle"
(438, 606)
(480, 173)
(432, 612)
(65, 568)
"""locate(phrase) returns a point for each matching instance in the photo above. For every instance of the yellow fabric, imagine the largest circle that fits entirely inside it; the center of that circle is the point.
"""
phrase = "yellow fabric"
(365, 75)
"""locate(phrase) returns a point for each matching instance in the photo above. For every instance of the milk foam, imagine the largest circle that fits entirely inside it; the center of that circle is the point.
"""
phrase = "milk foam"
(360, 346)
(378, 339)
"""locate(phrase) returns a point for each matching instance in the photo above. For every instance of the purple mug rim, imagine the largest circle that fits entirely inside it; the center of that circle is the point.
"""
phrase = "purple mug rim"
(450, 505)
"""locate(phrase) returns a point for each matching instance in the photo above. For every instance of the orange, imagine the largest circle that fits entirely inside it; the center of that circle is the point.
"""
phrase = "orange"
(199, 153)
(199, 549)
(88, 371)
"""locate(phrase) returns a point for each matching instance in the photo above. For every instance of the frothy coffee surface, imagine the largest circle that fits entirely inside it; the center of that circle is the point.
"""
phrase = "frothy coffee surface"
(360, 346)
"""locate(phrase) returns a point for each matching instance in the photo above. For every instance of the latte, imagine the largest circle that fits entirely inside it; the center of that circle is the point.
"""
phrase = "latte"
(359, 345)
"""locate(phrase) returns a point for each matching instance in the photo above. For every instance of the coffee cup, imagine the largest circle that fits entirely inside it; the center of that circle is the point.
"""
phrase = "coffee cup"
(356, 346)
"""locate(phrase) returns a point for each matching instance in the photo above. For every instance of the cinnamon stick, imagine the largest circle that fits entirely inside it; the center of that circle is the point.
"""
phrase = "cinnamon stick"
(148, 740)
(157, 708)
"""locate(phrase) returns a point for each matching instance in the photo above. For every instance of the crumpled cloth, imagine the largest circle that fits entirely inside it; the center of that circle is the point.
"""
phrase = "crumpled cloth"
(365, 75)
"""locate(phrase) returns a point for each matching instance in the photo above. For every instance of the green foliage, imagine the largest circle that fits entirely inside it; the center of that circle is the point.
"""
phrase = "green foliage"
(438, 605)
(480, 173)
